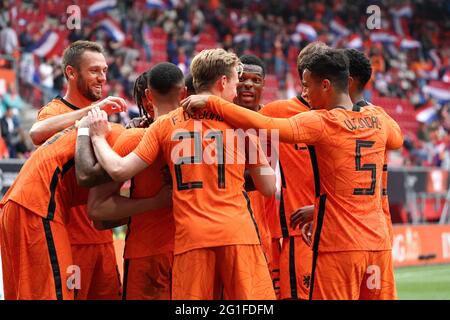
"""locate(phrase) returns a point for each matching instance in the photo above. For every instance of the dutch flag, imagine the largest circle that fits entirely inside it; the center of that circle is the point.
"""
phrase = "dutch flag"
(306, 31)
(101, 7)
(427, 114)
(404, 11)
(155, 4)
(46, 44)
(383, 36)
(409, 43)
(112, 29)
(354, 42)
(439, 90)
(337, 26)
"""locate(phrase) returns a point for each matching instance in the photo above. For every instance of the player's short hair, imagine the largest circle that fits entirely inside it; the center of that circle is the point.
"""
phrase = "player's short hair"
(330, 64)
(359, 66)
(72, 54)
(209, 65)
(251, 59)
(164, 77)
(306, 53)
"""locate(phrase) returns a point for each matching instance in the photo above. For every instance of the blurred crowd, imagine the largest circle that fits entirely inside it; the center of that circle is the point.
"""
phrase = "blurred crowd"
(409, 48)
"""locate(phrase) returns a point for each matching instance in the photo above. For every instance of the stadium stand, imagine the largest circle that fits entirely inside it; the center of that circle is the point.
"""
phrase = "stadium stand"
(409, 54)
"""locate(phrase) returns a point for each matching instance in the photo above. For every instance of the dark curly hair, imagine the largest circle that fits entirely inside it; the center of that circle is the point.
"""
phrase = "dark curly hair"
(140, 85)
(330, 64)
(359, 66)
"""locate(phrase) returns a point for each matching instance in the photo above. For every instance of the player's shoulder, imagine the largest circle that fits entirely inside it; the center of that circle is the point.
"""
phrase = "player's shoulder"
(274, 106)
(284, 108)
(169, 120)
(53, 107)
(116, 131)
(130, 134)
(128, 140)
(117, 127)
(57, 103)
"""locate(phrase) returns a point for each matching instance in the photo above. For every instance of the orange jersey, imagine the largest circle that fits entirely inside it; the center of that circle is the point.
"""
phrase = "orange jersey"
(81, 230)
(294, 163)
(46, 184)
(55, 107)
(348, 157)
(258, 204)
(209, 201)
(150, 233)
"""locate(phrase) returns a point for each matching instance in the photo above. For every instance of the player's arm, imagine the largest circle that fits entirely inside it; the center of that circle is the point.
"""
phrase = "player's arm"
(394, 133)
(44, 129)
(262, 175)
(109, 224)
(304, 127)
(104, 203)
(88, 170)
(394, 137)
(118, 168)
(263, 179)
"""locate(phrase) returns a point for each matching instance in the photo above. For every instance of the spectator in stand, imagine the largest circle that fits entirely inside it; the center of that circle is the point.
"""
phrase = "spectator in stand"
(12, 100)
(8, 40)
(46, 77)
(271, 28)
(13, 134)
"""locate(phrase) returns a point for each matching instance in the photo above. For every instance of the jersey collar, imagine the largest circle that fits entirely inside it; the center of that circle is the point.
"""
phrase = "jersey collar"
(67, 103)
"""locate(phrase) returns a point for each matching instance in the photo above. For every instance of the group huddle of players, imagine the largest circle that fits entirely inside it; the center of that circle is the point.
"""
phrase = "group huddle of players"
(311, 223)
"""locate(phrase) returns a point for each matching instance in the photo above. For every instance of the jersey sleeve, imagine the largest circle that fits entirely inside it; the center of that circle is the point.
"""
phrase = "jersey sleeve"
(116, 131)
(150, 145)
(242, 118)
(394, 133)
(46, 112)
(306, 127)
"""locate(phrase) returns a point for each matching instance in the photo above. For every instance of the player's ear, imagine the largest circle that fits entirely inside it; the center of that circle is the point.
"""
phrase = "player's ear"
(351, 82)
(326, 84)
(223, 82)
(70, 72)
(148, 94)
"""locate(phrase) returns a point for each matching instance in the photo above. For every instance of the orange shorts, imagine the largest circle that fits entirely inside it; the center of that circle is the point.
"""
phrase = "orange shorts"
(148, 278)
(295, 269)
(353, 275)
(235, 272)
(100, 279)
(36, 256)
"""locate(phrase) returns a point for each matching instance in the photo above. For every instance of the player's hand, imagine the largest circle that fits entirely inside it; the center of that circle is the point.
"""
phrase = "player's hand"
(82, 123)
(98, 123)
(307, 233)
(301, 216)
(194, 103)
(111, 105)
(138, 122)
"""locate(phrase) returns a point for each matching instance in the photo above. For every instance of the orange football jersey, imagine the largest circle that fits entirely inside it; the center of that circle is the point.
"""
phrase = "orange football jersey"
(80, 227)
(153, 232)
(210, 205)
(294, 163)
(46, 184)
(348, 158)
